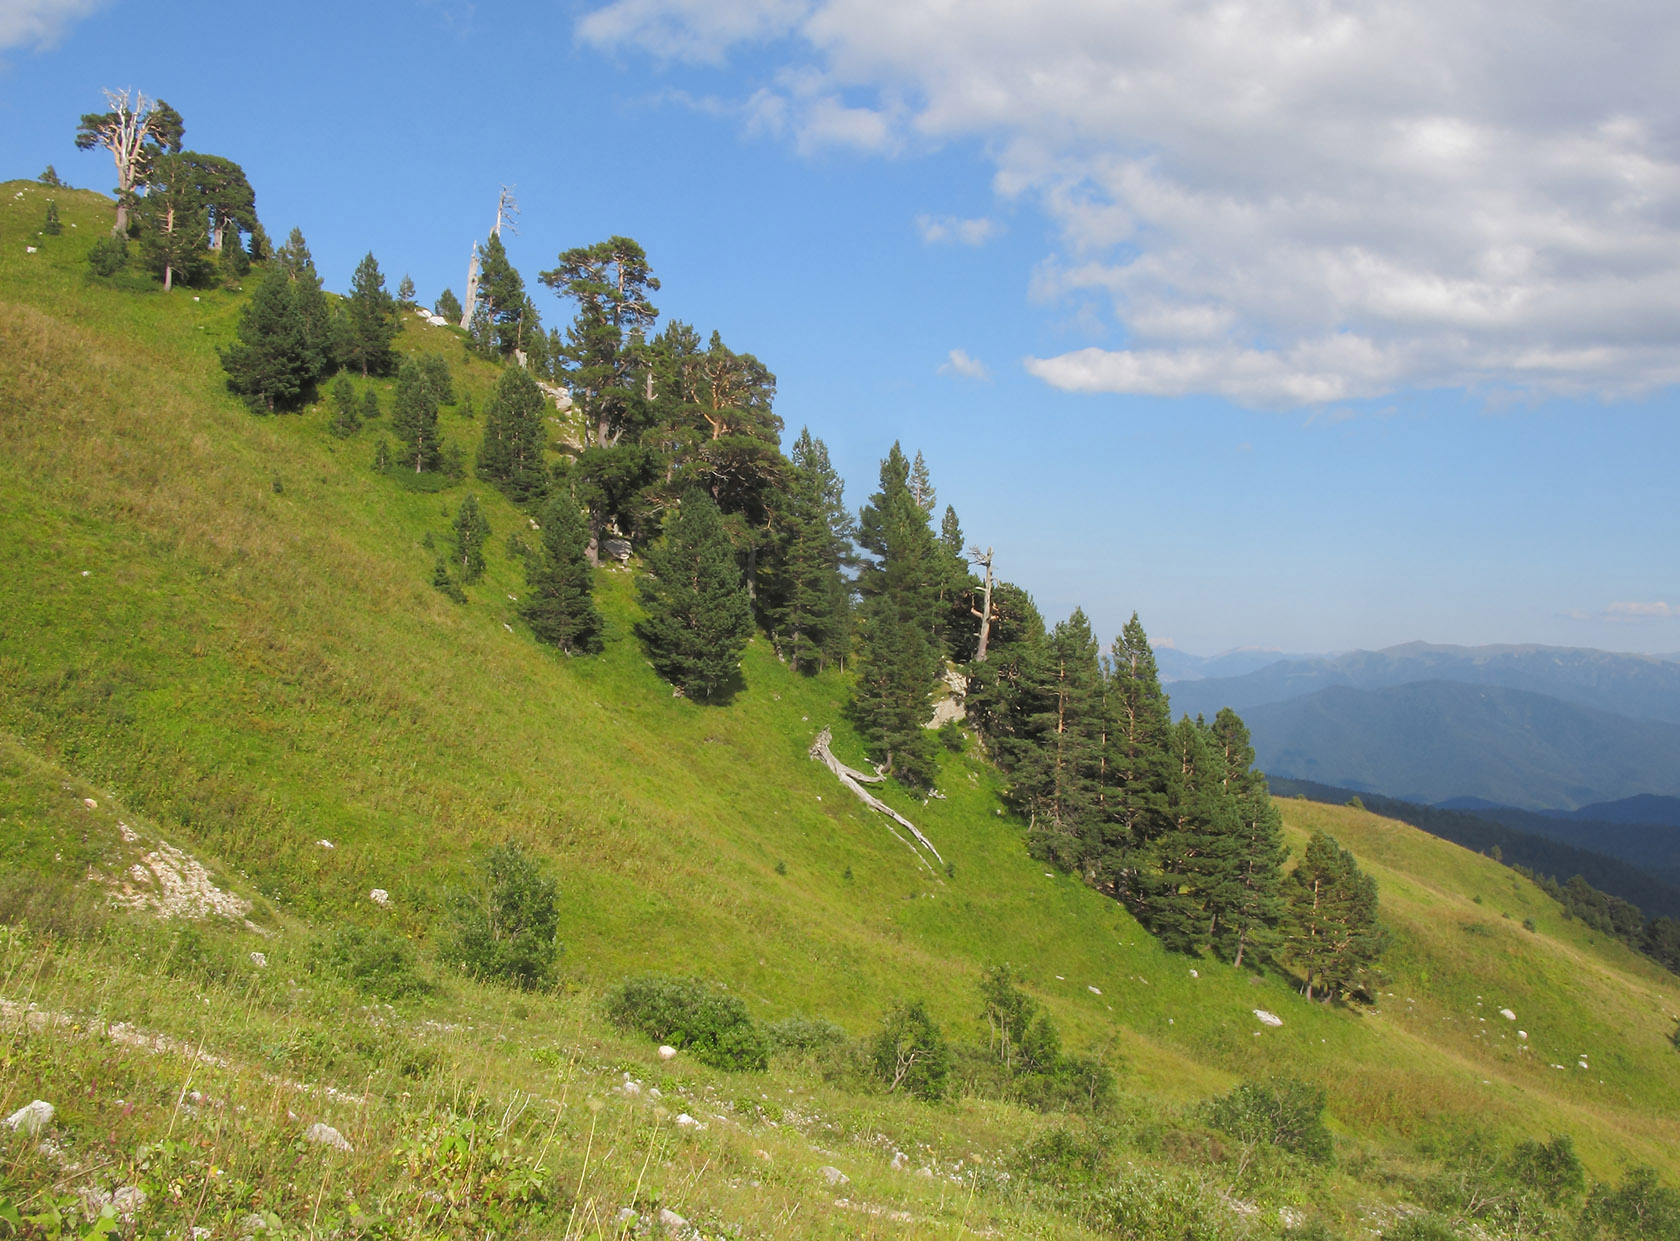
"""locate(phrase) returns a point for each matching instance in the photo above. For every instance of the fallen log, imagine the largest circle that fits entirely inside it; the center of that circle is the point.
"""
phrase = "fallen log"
(855, 780)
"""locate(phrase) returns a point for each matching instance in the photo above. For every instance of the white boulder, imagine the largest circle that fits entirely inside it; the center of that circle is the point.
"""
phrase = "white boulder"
(379, 896)
(1267, 1019)
(31, 1118)
(667, 1052)
(326, 1135)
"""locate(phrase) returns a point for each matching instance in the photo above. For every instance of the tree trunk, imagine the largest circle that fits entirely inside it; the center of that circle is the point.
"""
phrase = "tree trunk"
(855, 780)
(985, 612)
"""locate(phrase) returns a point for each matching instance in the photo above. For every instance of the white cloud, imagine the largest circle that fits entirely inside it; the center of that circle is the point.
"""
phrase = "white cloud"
(1654, 610)
(957, 362)
(40, 23)
(1283, 201)
(943, 229)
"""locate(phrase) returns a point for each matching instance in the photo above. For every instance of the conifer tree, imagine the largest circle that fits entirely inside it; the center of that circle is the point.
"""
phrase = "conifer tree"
(559, 603)
(471, 531)
(294, 259)
(698, 618)
(1334, 937)
(50, 178)
(272, 366)
(1251, 905)
(511, 453)
(346, 419)
(1183, 874)
(605, 351)
(1138, 763)
(370, 405)
(1057, 780)
(414, 418)
(438, 378)
(172, 238)
(501, 291)
(447, 306)
(371, 321)
(53, 227)
(405, 291)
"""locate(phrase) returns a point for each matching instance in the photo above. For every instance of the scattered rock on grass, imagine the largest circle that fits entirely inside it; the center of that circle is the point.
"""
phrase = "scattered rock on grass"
(671, 1221)
(667, 1053)
(834, 1176)
(1267, 1019)
(32, 1118)
(326, 1135)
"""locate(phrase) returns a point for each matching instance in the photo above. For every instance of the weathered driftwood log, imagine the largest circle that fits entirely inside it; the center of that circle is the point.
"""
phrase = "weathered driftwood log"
(855, 780)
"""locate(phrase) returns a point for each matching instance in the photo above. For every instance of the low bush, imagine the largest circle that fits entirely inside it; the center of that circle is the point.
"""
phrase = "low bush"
(702, 1018)
(505, 926)
(373, 960)
(108, 256)
(804, 1036)
(910, 1053)
(1278, 1112)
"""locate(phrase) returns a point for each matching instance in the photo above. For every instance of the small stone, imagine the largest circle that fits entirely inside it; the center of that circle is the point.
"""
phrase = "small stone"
(325, 844)
(685, 1121)
(326, 1135)
(379, 896)
(667, 1052)
(253, 1223)
(1194, 974)
(127, 1199)
(834, 1176)
(764, 1155)
(654, 1093)
(670, 1220)
(260, 960)
(899, 1161)
(630, 1089)
(32, 1118)
(1523, 1034)
(90, 803)
(1092, 989)
(1507, 1014)
(1267, 1019)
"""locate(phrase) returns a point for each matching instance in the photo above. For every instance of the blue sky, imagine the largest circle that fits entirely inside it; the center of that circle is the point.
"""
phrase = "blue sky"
(1283, 324)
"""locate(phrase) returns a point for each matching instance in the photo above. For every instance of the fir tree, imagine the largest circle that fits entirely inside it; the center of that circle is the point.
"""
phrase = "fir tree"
(698, 617)
(346, 420)
(370, 405)
(1334, 937)
(501, 291)
(405, 292)
(1137, 763)
(1247, 917)
(272, 366)
(1184, 874)
(50, 177)
(53, 226)
(559, 603)
(1057, 781)
(445, 584)
(511, 453)
(371, 321)
(448, 306)
(471, 530)
(805, 601)
(414, 418)
(294, 259)
(438, 378)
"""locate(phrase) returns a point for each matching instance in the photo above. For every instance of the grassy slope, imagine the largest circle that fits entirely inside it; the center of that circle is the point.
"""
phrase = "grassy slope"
(223, 624)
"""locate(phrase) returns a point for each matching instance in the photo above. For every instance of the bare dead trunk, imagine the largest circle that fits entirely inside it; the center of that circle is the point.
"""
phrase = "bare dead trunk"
(985, 612)
(855, 780)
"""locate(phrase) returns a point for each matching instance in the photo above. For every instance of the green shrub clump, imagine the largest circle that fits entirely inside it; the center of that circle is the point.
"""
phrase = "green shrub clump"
(1278, 1112)
(505, 926)
(700, 1017)
(910, 1053)
(108, 256)
(803, 1036)
(373, 960)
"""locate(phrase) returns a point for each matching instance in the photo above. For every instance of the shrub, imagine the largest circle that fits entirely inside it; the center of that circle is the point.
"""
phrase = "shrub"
(1551, 1169)
(910, 1053)
(505, 926)
(1143, 1205)
(1278, 1112)
(108, 256)
(373, 960)
(704, 1019)
(1420, 1228)
(802, 1036)
(1639, 1207)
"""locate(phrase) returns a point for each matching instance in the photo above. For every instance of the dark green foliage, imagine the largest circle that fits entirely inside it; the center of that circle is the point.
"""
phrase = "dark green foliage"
(414, 418)
(374, 960)
(405, 291)
(382, 456)
(1551, 1169)
(370, 405)
(273, 366)
(53, 226)
(448, 306)
(1278, 1112)
(371, 323)
(1026, 1048)
(910, 1053)
(559, 603)
(346, 417)
(108, 256)
(471, 531)
(511, 453)
(236, 263)
(49, 177)
(1333, 936)
(504, 927)
(1140, 768)
(605, 350)
(173, 244)
(1640, 1208)
(1057, 779)
(705, 1020)
(436, 370)
(501, 294)
(1247, 906)
(698, 618)
(804, 1036)
(805, 600)
(443, 581)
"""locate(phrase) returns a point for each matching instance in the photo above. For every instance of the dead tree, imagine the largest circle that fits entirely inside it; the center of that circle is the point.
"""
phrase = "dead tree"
(131, 131)
(855, 780)
(506, 210)
(984, 613)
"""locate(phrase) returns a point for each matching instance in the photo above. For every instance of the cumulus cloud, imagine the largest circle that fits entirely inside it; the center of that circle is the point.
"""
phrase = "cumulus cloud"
(39, 23)
(946, 229)
(957, 362)
(1286, 202)
(1653, 610)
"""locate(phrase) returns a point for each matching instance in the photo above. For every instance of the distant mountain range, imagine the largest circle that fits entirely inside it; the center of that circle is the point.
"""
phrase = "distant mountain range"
(1528, 727)
(1175, 665)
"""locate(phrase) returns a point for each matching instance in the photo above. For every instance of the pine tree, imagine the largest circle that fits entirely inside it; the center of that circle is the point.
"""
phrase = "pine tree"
(172, 237)
(471, 530)
(559, 603)
(405, 292)
(370, 405)
(606, 354)
(956, 628)
(1334, 937)
(1137, 764)
(501, 291)
(445, 584)
(294, 259)
(698, 617)
(1183, 874)
(1250, 907)
(50, 178)
(371, 321)
(53, 227)
(414, 418)
(1057, 780)
(346, 421)
(921, 485)
(448, 306)
(272, 366)
(511, 453)
(438, 378)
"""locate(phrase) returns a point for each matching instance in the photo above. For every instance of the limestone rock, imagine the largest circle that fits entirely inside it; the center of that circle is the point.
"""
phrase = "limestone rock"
(32, 1118)
(326, 1135)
